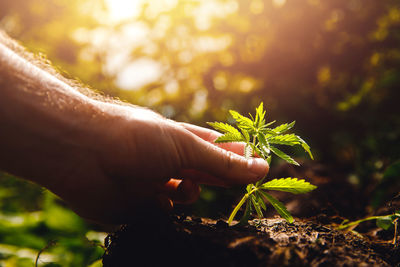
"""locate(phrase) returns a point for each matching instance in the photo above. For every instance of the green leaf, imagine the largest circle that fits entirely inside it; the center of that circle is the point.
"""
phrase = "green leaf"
(260, 200)
(292, 185)
(290, 140)
(268, 160)
(305, 147)
(245, 218)
(242, 121)
(284, 127)
(230, 137)
(245, 135)
(283, 156)
(268, 124)
(249, 187)
(223, 127)
(385, 222)
(267, 131)
(256, 206)
(280, 208)
(285, 139)
(262, 139)
(264, 145)
(260, 116)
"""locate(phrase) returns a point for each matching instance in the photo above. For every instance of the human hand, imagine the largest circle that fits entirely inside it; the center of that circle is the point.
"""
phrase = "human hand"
(141, 160)
(108, 161)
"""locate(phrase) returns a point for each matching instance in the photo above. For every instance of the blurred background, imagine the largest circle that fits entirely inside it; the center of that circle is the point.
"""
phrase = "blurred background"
(331, 65)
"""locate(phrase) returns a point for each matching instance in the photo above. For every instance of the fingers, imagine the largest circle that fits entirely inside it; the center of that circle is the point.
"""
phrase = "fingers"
(210, 136)
(200, 177)
(181, 191)
(165, 203)
(229, 167)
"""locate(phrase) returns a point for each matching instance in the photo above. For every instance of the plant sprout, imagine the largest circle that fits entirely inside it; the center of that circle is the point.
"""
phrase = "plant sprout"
(383, 221)
(262, 141)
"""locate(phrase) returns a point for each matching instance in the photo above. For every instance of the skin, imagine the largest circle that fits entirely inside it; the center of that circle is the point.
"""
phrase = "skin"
(107, 160)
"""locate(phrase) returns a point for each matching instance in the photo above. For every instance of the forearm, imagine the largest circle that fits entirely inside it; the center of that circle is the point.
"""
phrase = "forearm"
(43, 120)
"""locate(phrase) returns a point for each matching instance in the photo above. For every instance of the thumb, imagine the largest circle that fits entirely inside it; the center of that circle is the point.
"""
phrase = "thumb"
(227, 166)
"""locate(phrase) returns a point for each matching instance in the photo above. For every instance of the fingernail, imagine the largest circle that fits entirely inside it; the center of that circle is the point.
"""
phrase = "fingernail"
(258, 167)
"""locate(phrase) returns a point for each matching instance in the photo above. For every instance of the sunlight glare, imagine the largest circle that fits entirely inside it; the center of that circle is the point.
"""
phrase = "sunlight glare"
(139, 73)
(120, 10)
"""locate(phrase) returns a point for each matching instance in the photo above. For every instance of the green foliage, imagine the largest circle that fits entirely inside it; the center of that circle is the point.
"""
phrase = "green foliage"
(31, 218)
(384, 221)
(261, 140)
(292, 185)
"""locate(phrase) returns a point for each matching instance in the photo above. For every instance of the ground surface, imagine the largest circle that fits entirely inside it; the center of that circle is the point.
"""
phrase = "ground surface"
(312, 240)
(269, 242)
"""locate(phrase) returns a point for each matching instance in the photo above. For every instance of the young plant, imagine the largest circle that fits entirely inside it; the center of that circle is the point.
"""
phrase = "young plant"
(384, 221)
(262, 141)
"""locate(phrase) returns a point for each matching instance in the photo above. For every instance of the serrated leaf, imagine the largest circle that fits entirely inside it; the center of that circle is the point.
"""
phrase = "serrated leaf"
(283, 156)
(260, 115)
(280, 208)
(284, 127)
(290, 140)
(285, 139)
(251, 117)
(268, 131)
(263, 144)
(268, 124)
(262, 139)
(230, 137)
(306, 147)
(292, 185)
(245, 135)
(260, 201)
(256, 206)
(223, 127)
(242, 121)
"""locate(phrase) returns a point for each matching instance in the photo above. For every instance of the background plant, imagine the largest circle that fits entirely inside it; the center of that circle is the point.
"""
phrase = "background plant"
(383, 221)
(261, 140)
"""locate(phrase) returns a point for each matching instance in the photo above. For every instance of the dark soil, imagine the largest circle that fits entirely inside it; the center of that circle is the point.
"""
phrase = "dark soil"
(269, 242)
(312, 240)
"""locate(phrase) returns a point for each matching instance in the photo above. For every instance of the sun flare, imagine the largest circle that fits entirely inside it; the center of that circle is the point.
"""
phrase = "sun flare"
(120, 10)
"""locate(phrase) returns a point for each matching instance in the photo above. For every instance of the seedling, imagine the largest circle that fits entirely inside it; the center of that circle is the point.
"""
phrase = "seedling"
(261, 141)
(384, 221)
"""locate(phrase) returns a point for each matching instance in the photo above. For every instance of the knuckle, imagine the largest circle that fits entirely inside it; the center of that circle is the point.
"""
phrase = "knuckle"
(229, 160)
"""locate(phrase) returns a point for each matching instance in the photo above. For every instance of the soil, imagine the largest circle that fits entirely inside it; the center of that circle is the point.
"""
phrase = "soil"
(312, 240)
(190, 241)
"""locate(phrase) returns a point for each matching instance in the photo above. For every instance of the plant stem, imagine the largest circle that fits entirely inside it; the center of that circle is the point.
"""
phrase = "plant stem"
(254, 144)
(344, 226)
(395, 232)
(240, 204)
